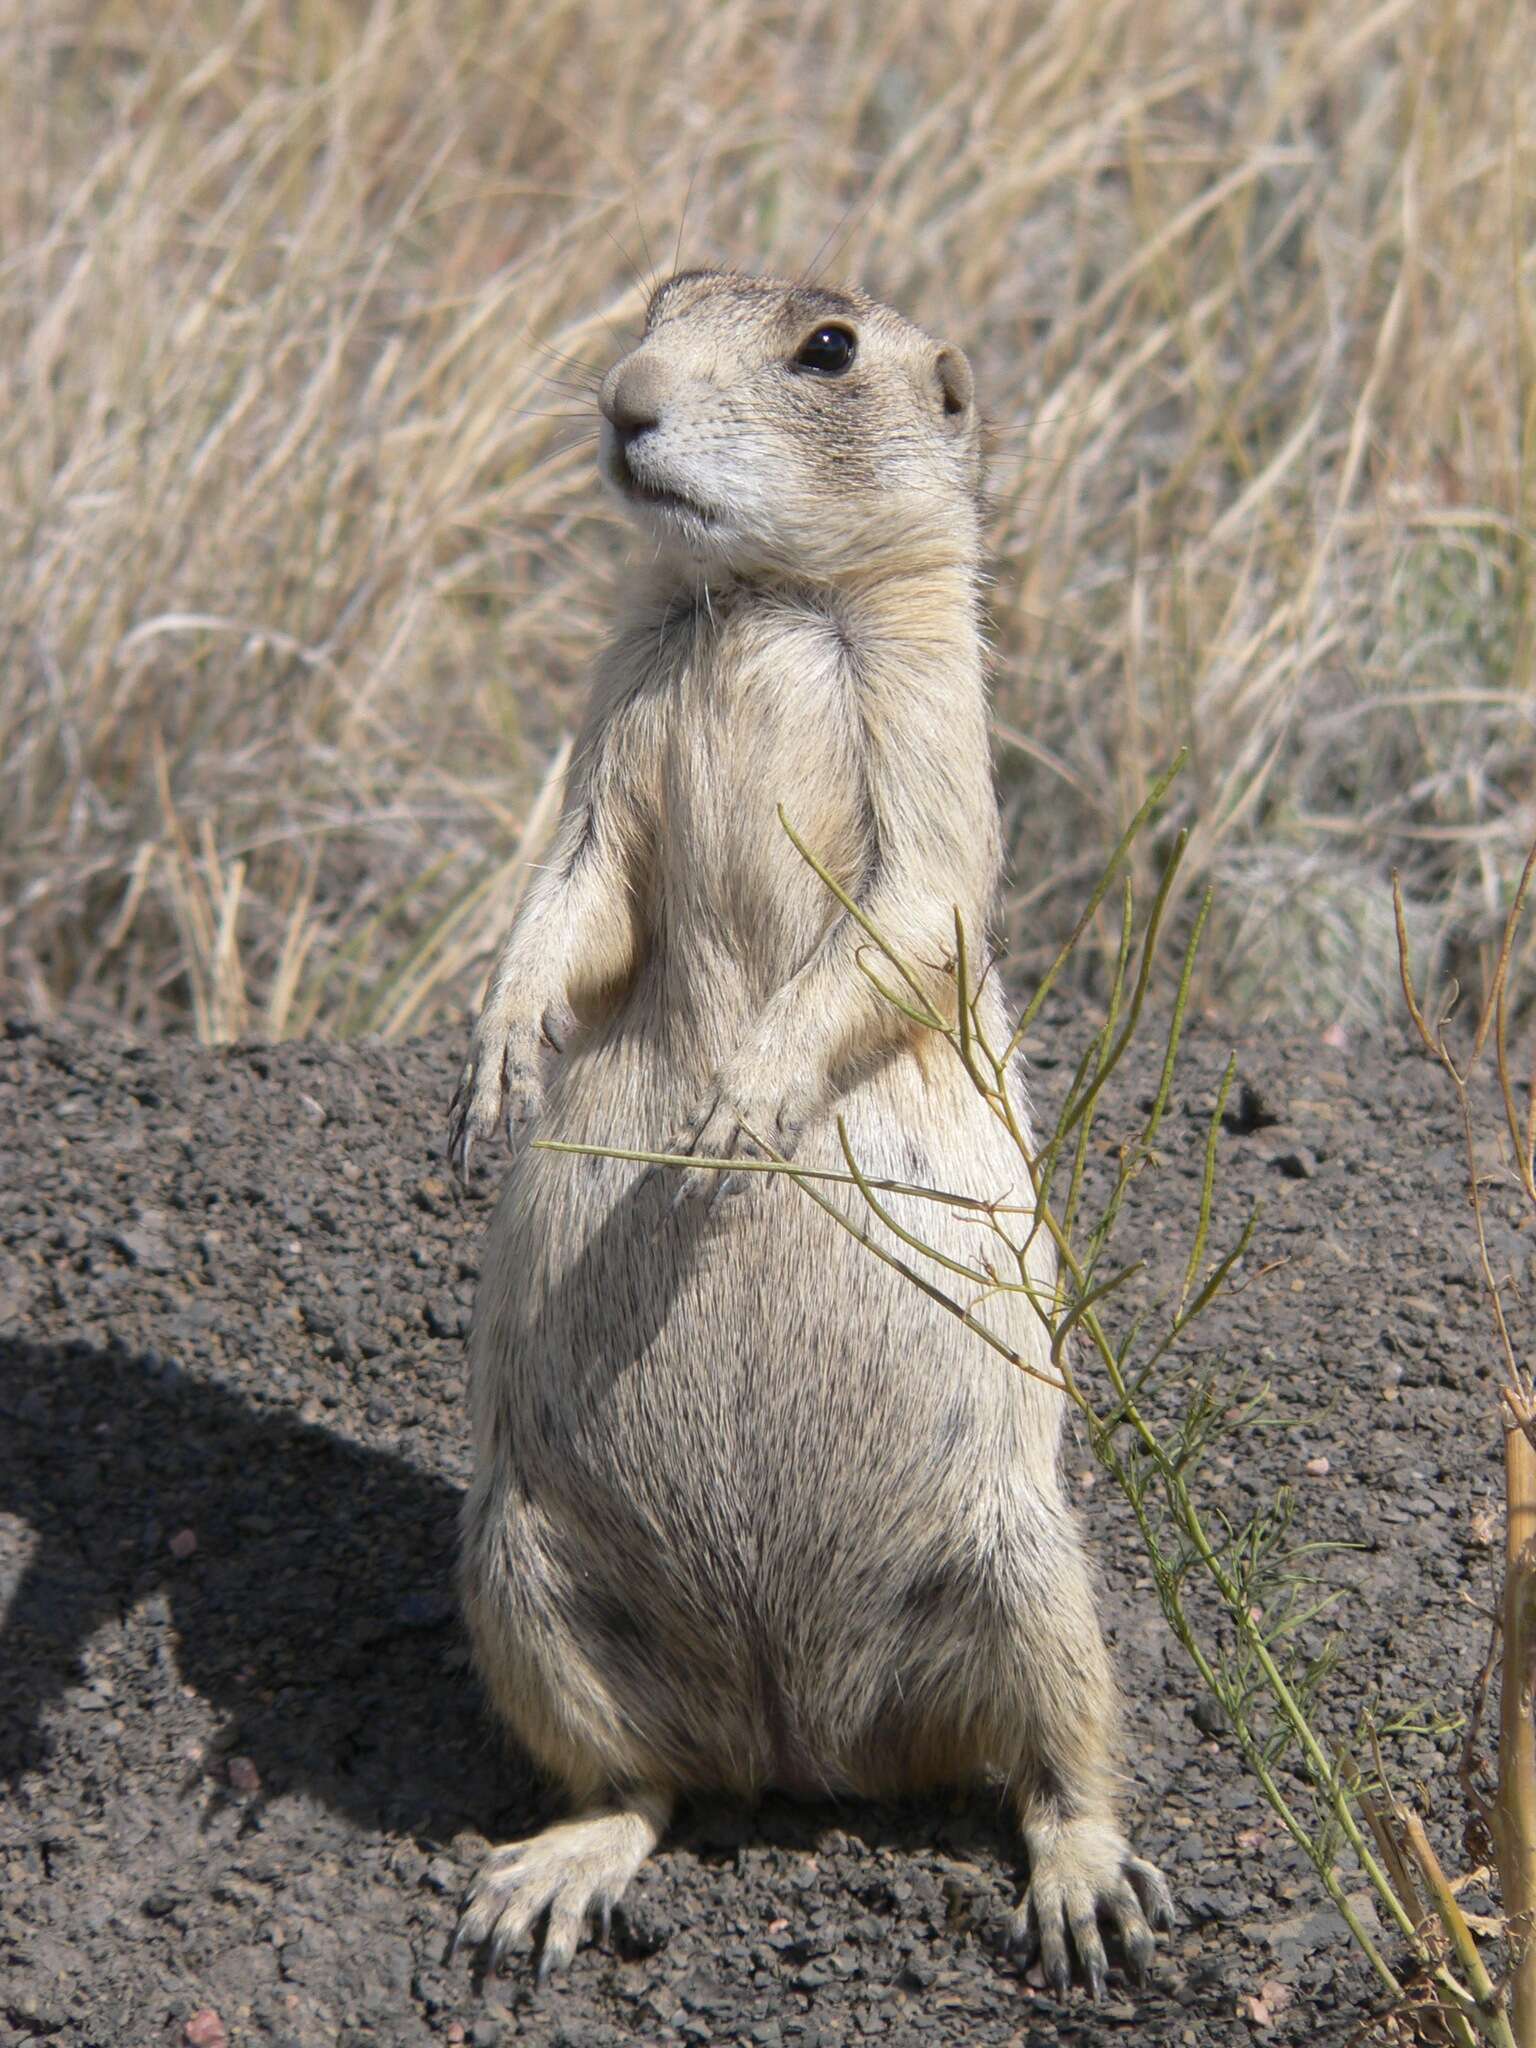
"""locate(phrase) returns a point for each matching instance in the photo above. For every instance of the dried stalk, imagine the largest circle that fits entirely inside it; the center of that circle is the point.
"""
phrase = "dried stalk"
(1511, 1820)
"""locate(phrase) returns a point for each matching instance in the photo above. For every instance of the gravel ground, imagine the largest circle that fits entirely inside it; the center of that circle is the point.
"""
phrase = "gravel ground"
(249, 1771)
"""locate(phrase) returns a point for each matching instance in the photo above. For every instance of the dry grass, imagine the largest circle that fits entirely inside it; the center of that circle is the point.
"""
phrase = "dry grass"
(298, 528)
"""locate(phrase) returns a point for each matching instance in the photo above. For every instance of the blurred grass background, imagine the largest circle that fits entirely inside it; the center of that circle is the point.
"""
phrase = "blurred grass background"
(302, 557)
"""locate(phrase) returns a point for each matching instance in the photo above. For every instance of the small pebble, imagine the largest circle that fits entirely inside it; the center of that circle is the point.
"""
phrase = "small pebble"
(205, 2030)
(1264, 2006)
(1318, 1468)
(183, 1543)
(1297, 1163)
(1209, 1715)
(243, 1775)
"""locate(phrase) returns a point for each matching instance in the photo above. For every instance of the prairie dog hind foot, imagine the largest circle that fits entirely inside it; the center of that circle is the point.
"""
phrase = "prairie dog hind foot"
(1083, 1876)
(569, 1876)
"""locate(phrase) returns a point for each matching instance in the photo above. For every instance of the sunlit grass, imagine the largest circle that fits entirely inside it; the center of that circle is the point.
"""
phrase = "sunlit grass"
(302, 558)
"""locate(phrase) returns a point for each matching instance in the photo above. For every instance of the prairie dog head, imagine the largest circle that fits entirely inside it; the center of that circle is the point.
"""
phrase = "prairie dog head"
(765, 426)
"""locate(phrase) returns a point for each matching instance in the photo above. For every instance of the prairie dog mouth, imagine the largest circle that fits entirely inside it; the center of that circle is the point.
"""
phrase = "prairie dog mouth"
(639, 492)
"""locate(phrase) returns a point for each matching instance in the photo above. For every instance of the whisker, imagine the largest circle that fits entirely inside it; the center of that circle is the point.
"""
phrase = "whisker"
(630, 263)
(1040, 420)
(572, 362)
(677, 251)
(813, 270)
(645, 244)
(571, 390)
(623, 343)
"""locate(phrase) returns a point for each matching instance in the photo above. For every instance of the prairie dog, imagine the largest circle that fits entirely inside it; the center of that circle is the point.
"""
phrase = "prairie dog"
(748, 1509)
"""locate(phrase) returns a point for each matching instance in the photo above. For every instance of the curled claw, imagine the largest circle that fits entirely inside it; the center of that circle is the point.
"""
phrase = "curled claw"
(1151, 1889)
(724, 1128)
(698, 1190)
(720, 1137)
(460, 1141)
(517, 1115)
(682, 1144)
(498, 1088)
(554, 1953)
(731, 1132)
(709, 1188)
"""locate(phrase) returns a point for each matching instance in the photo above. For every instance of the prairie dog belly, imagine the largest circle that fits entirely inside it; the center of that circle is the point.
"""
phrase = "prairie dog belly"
(681, 1368)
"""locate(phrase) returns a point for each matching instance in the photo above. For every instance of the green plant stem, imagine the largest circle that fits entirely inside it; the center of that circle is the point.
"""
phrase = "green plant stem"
(1069, 1298)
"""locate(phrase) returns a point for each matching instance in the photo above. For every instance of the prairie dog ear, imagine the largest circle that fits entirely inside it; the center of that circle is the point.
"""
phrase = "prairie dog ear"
(957, 387)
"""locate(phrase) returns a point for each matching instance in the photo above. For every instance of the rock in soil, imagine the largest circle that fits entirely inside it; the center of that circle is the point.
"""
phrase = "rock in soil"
(248, 1768)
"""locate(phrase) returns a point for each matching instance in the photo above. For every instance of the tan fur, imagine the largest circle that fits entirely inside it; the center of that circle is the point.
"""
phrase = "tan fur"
(748, 1509)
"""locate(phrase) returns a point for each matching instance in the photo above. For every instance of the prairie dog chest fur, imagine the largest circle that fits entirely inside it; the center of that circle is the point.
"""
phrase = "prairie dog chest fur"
(765, 693)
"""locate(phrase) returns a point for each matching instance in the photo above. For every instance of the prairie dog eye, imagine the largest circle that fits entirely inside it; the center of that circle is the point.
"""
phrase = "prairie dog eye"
(827, 352)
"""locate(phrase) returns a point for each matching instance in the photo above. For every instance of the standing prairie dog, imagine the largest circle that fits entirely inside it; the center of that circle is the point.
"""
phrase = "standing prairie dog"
(749, 1510)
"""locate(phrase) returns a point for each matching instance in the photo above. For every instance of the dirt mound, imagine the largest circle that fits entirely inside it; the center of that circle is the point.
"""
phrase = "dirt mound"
(249, 1769)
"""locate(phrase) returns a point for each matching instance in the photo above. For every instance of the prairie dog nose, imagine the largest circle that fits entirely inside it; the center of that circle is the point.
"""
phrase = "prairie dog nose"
(633, 395)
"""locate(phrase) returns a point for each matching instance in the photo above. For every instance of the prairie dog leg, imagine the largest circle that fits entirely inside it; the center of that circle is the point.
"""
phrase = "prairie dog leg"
(574, 1872)
(1083, 1877)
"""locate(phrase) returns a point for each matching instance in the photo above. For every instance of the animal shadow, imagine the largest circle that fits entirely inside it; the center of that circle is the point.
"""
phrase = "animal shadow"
(315, 1614)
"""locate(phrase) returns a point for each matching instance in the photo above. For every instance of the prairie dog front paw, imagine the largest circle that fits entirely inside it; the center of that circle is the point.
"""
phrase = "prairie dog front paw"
(502, 1083)
(738, 1119)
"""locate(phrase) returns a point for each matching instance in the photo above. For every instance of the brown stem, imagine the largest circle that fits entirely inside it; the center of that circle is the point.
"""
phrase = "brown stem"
(1514, 1819)
(1491, 2020)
